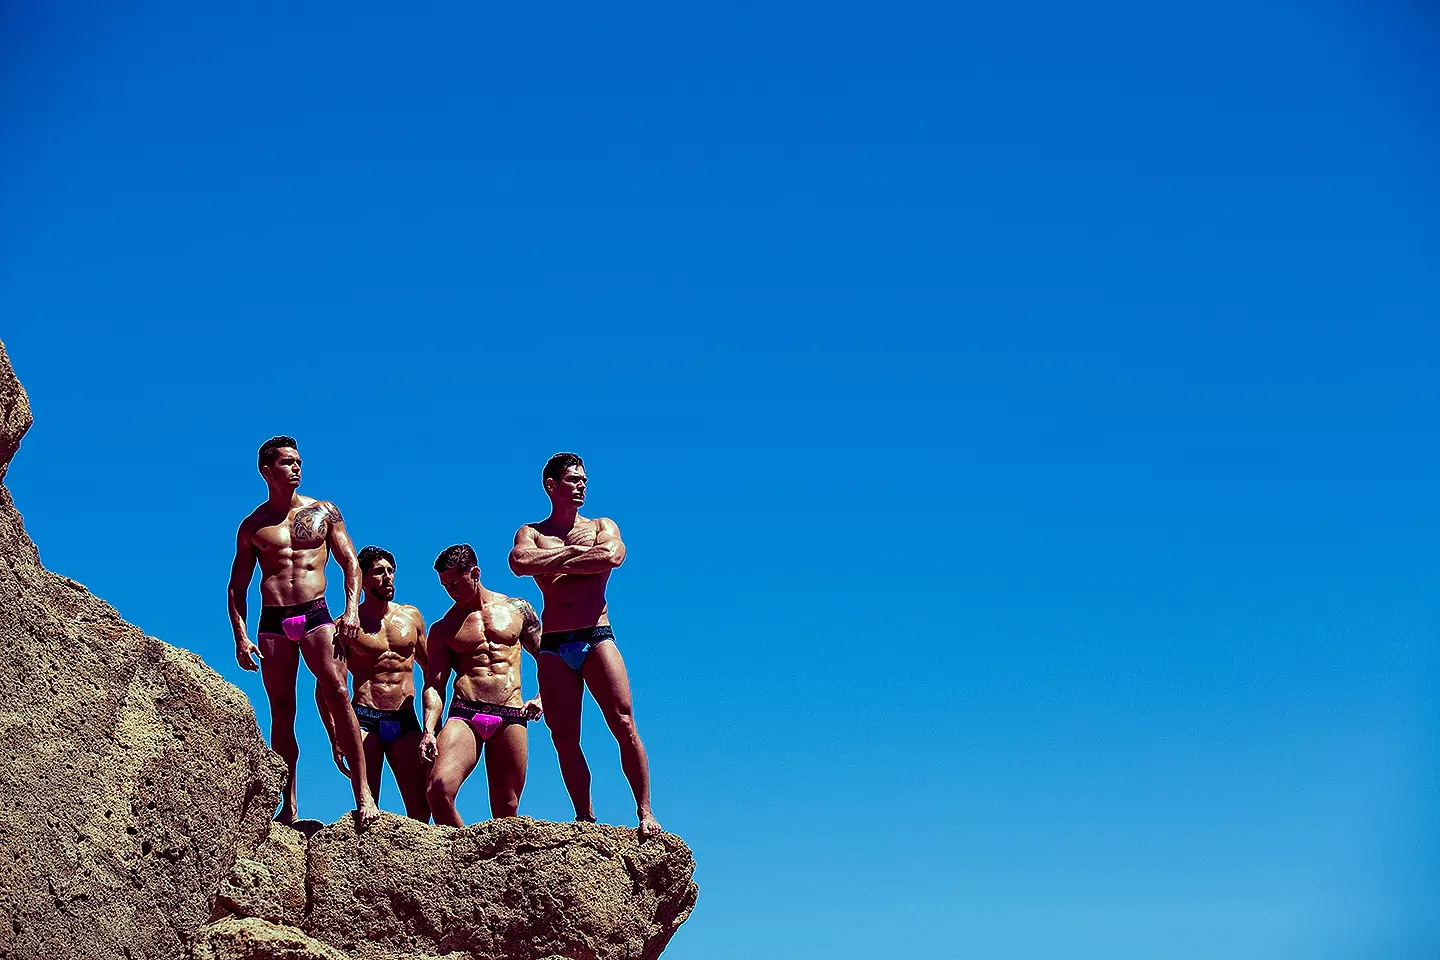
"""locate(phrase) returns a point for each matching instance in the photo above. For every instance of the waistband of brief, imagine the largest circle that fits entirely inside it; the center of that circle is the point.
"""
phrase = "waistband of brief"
(591, 635)
(294, 609)
(493, 709)
(406, 709)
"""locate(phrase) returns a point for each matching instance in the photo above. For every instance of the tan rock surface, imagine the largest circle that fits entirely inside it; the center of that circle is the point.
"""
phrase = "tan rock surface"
(503, 888)
(132, 773)
(269, 884)
(250, 938)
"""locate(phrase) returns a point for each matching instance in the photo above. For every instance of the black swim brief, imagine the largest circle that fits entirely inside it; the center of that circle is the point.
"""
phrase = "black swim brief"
(390, 724)
(296, 620)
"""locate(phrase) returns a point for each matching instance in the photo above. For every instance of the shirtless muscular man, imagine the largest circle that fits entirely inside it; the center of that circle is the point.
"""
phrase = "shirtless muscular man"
(291, 537)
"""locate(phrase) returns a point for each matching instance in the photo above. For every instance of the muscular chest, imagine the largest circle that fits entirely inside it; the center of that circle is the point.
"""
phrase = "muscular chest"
(306, 528)
(496, 627)
(580, 535)
(396, 638)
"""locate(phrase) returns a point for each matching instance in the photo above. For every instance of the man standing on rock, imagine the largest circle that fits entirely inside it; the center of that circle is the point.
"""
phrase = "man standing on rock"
(480, 638)
(291, 537)
(382, 662)
(571, 558)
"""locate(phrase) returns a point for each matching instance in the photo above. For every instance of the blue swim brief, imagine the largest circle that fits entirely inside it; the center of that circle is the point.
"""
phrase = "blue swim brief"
(573, 646)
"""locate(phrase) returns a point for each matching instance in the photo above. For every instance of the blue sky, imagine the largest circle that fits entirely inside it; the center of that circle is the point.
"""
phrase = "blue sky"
(1022, 422)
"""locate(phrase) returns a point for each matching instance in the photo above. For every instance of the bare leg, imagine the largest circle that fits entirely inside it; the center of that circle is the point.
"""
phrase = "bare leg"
(506, 754)
(609, 684)
(457, 750)
(280, 660)
(409, 769)
(562, 690)
(374, 757)
(318, 648)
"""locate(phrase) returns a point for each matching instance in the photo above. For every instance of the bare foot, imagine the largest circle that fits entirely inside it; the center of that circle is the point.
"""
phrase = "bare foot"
(649, 826)
(580, 819)
(366, 815)
(288, 813)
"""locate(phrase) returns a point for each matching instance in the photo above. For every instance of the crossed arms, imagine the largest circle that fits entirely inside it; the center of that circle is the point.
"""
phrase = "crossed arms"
(607, 551)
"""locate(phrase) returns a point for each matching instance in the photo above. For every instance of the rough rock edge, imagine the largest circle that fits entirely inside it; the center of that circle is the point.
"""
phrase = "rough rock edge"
(79, 922)
(15, 417)
(246, 925)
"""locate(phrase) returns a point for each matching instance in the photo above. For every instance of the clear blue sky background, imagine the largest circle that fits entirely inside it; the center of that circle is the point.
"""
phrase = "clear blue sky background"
(1022, 421)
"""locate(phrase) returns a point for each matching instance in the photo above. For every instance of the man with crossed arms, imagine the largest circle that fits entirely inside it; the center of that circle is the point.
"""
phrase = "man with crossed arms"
(571, 558)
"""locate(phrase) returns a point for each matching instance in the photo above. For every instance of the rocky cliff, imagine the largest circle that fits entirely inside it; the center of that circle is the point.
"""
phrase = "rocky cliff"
(137, 792)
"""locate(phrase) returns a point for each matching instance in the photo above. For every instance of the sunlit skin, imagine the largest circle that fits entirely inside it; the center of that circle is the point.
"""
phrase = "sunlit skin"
(291, 537)
(571, 558)
(480, 639)
(382, 659)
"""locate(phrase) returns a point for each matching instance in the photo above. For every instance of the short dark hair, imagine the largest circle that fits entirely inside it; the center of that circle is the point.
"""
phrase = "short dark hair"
(268, 448)
(370, 554)
(556, 466)
(459, 557)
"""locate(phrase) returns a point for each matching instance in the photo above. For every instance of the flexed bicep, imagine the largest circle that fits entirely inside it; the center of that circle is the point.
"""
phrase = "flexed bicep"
(607, 539)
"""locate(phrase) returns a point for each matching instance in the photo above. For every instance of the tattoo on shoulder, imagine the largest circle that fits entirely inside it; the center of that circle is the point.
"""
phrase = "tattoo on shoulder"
(332, 513)
(309, 524)
(532, 620)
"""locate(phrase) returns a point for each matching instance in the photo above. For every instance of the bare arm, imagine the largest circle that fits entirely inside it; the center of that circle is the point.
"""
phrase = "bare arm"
(530, 640)
(528, 558)
(437, 674)
(242, 571)
(342, 548)
(422, 654)
(607, 553)
(530, 630)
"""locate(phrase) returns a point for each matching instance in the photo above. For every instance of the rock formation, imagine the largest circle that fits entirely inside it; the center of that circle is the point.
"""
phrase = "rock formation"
(137, 792)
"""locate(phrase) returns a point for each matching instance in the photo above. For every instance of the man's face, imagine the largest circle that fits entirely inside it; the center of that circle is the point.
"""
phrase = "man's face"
(379, 580)
(461, 584)
(284, 467)
(569, 489)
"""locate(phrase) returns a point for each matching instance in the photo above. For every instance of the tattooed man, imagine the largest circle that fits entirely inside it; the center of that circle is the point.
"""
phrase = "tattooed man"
(480, 639)
(382, 663)
(291, 537)
(571, 558)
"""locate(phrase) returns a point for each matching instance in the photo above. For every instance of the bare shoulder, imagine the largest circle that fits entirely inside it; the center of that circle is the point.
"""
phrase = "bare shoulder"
(325, 507)
(521, 605)
(496, 597)
(446, 626)
(606, 525)
(410, 614)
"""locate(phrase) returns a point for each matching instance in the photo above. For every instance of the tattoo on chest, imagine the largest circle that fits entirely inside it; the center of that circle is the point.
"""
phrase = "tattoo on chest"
(309, 523)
